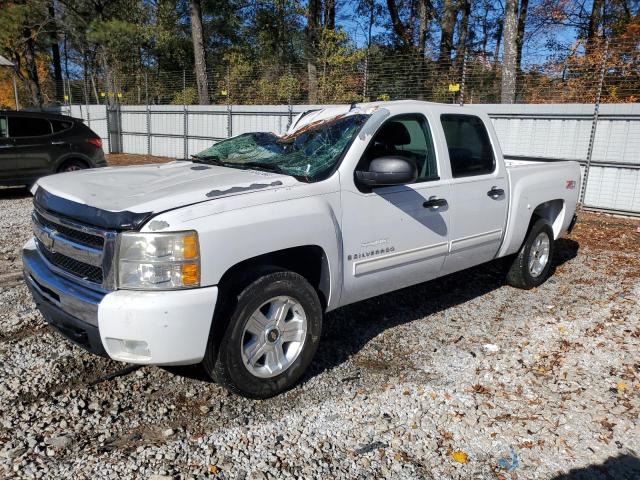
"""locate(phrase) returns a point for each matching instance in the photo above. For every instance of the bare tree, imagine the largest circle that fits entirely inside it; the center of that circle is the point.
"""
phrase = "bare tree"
(509, 52)
(311, 33)
(447, 26)
(198, 52)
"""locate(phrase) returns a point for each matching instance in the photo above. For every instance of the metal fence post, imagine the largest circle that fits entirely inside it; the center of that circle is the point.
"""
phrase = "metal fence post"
(229, 112)
(594, 124)
(148, 115)
(366, 78)
(15, 92)
(185, 122)
(463, 79)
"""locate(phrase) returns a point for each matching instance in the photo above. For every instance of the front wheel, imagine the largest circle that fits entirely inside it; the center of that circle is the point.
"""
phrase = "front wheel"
(271, 336)
(531, 266)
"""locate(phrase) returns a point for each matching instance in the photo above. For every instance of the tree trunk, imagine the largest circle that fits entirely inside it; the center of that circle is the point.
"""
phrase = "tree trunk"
(330, 14)
(509, 52)
(202, 81)
(447, 26)
(313, 21)
(595, 20)
(402, 31)
(522, 21)
(461, 48)
(496, 51)
(55, 54)
(423, 18)
(33, 82)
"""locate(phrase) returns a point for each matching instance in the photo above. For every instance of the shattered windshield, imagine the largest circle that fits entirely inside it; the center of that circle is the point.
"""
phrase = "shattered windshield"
(310, 153)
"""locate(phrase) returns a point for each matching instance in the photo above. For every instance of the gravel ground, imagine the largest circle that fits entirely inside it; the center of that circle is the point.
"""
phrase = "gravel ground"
(457, 378)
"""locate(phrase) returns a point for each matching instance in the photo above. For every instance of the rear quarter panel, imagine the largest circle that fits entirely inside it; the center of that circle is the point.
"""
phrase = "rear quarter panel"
(531, 184)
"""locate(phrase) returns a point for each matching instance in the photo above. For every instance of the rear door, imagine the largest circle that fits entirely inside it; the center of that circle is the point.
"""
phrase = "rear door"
(479, 192)
(7, 152)
(32, 139)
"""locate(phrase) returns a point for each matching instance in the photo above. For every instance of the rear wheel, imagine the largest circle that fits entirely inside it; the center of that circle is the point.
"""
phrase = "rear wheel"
(72, 166)
(531, 266)
(271, 336)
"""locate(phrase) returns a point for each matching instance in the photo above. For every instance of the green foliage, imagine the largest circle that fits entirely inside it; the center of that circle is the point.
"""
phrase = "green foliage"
(188, 96)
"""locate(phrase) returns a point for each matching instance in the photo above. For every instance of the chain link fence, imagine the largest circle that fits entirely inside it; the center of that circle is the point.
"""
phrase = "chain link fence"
(609, 69)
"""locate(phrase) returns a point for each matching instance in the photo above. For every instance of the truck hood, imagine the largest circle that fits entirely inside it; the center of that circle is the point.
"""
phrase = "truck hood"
(158, 187)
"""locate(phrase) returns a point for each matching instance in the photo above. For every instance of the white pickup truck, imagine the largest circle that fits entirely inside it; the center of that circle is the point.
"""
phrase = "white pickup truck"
(232, 258)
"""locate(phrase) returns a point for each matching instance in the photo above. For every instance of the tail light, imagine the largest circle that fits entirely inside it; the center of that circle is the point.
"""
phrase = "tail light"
(96, 142)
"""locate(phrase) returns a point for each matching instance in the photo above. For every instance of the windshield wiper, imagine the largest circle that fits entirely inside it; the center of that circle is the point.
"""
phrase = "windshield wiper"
(270, 167)
(213, 159)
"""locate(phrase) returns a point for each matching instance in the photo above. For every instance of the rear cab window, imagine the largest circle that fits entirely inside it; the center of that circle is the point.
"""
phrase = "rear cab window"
(470, 150)
(28, 127)
(3, 127)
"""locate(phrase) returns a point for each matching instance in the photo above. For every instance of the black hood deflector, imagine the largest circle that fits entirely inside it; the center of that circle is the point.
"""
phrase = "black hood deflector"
(80, 212)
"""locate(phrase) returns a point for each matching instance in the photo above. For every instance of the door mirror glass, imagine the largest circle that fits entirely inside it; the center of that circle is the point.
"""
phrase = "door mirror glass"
(390, 170)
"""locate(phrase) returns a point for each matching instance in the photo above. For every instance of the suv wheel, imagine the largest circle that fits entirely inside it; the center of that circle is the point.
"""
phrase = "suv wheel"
(531, 266)
(271, 336)
(72, 166)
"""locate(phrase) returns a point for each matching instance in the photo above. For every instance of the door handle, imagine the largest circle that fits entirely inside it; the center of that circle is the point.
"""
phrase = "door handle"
(495, 192)
(434, 202)
(59, 143)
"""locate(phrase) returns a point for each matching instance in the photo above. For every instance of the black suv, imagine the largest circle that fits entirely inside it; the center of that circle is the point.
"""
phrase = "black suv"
(33, 145)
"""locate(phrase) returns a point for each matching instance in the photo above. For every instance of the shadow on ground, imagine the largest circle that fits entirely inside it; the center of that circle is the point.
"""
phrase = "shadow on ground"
(14, 193)
(622, 467)
(347, 330)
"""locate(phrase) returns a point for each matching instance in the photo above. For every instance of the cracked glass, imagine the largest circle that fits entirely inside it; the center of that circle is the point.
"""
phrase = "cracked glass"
(310, 153)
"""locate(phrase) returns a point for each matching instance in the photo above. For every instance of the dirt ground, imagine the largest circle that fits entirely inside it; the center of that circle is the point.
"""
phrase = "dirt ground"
(121, 159)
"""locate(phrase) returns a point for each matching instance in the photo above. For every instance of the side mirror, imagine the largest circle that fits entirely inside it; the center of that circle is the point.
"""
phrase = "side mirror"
(392, 170)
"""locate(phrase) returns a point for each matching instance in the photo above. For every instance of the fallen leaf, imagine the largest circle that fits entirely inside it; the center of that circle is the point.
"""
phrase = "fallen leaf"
(214, 469)
(459, 456)
(433, 395)
(621, 386)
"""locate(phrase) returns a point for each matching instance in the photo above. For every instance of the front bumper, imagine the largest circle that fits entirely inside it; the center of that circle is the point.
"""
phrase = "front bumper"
(149, 328)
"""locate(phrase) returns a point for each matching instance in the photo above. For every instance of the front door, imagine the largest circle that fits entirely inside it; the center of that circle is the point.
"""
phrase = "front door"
(395, 236)
(479, 193)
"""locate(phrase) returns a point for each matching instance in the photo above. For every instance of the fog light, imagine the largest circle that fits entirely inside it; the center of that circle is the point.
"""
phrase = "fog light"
(133, 349)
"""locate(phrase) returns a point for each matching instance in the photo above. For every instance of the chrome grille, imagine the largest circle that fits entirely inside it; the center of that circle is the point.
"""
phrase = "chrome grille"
(81, 252)
(70, 233)
(83, 270)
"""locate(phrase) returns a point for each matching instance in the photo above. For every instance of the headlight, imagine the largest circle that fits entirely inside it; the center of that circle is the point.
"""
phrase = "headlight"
(159, 261)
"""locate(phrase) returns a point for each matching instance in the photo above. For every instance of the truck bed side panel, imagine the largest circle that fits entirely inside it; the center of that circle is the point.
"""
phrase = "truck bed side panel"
(532, 184)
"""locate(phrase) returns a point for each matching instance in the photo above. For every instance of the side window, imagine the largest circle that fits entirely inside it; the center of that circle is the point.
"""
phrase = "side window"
(470, 151)
(60, 125)
(28, 127)
(3, 127)
(408, 136)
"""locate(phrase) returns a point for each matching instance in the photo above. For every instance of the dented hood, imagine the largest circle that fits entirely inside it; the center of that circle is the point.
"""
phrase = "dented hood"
(159, 187)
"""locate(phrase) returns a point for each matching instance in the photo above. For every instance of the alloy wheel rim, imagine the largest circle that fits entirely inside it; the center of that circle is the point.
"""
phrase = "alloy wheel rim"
(273, 337)
(539, 254)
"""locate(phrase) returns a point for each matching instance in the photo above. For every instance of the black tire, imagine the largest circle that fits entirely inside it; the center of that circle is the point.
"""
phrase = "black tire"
(72, 166)
(519, 274)
(223, 359)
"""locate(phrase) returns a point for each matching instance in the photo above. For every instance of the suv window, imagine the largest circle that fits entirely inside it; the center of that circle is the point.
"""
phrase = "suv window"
(408, 136)
(28, 127)
(470, 151)
(3, 127)
(60, 125)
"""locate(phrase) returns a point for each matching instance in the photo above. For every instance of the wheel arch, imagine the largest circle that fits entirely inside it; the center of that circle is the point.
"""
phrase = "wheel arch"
(553, 211)
(309, 261)
(71, 158)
